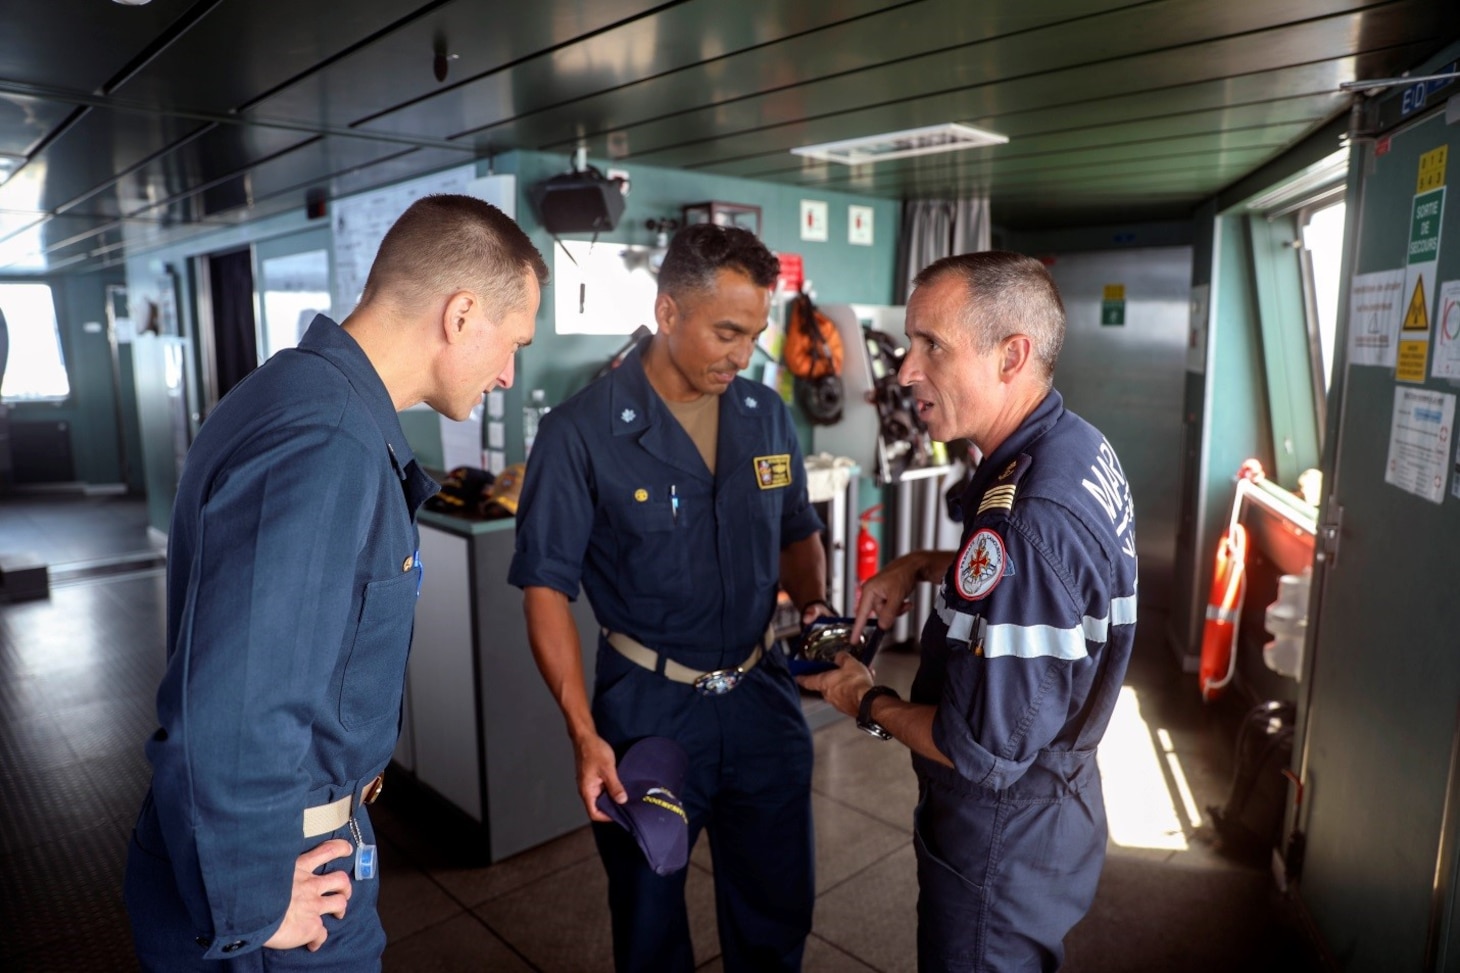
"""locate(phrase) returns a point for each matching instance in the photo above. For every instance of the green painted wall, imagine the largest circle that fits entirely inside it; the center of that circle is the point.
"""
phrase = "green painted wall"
(560, 364)
(837, 270)
(90, 410)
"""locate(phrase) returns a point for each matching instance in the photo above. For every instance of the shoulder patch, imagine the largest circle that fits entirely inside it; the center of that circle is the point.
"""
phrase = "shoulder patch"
(981, 565)
(1001, 495)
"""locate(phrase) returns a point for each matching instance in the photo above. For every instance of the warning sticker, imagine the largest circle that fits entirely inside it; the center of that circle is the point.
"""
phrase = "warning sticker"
(1422, 258)
(1417, 318)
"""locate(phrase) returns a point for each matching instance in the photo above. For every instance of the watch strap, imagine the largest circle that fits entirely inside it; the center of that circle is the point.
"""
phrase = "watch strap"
(864, 711)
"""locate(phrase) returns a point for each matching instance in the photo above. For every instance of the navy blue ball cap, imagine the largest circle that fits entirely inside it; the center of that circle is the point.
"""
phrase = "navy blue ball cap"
(652, 772)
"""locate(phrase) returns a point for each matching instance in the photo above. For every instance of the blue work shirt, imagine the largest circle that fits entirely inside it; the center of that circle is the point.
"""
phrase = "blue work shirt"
(1031, 659)
(618, 499)
(292, 582)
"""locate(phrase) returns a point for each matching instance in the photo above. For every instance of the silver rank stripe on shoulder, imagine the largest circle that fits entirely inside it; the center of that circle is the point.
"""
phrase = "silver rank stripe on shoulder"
(998, 498)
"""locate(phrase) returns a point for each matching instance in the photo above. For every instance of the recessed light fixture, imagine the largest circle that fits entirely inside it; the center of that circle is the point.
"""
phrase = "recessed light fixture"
(949, 137)
(132, 3)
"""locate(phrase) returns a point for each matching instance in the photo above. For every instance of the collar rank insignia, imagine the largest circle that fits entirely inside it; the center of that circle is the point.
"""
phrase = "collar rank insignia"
(750, 402)
(1000, 496)
(628, 415)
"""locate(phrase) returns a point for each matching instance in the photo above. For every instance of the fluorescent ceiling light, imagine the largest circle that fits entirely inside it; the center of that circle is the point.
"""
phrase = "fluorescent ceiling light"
(900, 145)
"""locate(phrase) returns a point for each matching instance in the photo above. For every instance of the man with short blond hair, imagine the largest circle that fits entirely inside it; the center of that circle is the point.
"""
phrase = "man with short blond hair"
(293, 570)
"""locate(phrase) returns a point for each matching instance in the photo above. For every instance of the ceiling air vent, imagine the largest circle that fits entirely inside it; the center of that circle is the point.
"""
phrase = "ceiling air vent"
(900, 145)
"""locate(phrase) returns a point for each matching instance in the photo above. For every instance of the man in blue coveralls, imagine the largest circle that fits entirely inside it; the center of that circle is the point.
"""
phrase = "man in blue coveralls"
(675, 494)
(1024, 656)
(292, 581)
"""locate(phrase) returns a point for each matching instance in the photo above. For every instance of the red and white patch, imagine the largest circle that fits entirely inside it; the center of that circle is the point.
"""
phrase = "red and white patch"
(981, 565)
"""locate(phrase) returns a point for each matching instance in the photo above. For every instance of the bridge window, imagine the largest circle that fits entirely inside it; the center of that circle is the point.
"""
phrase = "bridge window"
(35, 369)
(1323, 244)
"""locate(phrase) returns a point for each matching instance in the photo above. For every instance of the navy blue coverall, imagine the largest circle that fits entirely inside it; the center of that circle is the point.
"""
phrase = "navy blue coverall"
(1024, 659)
(696, 582)
(292, 577)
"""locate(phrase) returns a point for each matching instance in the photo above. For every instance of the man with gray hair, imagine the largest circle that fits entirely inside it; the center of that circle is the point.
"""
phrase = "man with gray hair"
(1023, 658)
(292, 574)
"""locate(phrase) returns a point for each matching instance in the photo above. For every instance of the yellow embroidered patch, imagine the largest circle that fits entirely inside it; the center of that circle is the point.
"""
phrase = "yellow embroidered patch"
(773, 471)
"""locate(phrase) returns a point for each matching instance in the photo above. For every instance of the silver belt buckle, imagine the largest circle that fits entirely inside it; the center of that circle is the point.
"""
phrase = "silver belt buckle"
(719, 682)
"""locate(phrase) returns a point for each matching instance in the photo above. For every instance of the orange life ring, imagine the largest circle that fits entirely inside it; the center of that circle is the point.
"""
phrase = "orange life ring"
(1219, 637)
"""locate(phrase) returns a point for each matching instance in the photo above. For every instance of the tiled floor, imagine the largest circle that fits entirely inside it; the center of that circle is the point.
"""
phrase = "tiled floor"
(77, 673)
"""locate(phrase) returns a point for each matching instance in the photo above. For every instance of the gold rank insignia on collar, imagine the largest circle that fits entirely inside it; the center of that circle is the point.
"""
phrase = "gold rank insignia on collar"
(1001, 495)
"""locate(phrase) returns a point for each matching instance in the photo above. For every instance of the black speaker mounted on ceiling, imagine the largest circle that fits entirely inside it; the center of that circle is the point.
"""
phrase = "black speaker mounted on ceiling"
(579, 202)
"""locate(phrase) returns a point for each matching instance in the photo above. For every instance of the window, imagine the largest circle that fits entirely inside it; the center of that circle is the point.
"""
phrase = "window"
(35, 370)
(1323, 241)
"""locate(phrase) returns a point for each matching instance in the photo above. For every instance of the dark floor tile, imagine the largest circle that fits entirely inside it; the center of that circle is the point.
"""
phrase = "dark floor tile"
(120, 782)
(848, 842)
(62, 899)
(32, 742)
(873, 776)
(874, 918)
(1150, 916)
(562, 922)
(409, 900)
(820, 957)
(459, 945)
(473, 886)
(41, 806)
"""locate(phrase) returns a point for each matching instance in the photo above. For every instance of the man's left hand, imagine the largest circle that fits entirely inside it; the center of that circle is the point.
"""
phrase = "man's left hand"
(843, 686)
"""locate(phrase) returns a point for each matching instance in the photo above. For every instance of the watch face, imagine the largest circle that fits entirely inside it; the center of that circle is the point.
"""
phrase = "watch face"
(875, 729)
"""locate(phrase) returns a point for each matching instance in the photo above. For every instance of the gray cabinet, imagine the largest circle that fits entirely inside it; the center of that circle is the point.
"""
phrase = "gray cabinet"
(479, 729)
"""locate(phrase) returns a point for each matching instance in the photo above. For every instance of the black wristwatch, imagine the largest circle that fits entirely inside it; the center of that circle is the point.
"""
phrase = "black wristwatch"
(864, 711)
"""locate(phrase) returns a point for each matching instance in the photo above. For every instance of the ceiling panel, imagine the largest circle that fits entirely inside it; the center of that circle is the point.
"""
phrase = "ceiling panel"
(840, 49)
(78, 44)
(242, 49)
(25, 121)
(922, 93)
(355, 91)
(1073, 110)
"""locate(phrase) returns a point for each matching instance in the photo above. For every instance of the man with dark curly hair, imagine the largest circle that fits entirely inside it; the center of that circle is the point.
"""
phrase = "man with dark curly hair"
(674, 493)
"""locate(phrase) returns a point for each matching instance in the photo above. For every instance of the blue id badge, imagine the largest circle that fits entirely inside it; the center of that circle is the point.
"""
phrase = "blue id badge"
(364, 854)
(364, 862)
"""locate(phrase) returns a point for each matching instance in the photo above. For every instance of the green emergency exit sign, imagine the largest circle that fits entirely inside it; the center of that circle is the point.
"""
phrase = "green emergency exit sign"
(1112, 305)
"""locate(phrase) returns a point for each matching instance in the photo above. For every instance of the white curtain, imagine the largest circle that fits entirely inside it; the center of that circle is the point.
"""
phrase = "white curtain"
(936, 228)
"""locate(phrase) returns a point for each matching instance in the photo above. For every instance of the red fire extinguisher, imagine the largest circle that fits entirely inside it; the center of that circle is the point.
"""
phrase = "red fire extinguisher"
(867, 551)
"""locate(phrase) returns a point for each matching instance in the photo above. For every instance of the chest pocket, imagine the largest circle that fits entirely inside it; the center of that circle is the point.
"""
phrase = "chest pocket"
(653, 547)
(763, 529)
(375, 673)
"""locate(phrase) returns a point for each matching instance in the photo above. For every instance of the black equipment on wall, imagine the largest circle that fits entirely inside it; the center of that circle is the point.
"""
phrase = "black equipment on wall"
(579, 202)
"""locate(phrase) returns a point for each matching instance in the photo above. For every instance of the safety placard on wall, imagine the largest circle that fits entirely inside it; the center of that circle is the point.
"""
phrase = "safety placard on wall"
(814, 220)
(1112, 305)
(1447, 331)
(1421, 262)
(1420, 441)
(1374, 313)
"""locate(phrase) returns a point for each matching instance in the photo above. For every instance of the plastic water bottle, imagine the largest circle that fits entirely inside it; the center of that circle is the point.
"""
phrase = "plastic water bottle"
(532, 414)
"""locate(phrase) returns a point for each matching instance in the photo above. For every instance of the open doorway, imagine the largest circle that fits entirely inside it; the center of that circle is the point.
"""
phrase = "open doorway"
(229, 327)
